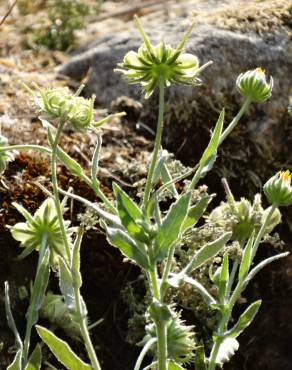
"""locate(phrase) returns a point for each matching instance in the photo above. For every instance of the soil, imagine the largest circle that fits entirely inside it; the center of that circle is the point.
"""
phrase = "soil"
(266, 345)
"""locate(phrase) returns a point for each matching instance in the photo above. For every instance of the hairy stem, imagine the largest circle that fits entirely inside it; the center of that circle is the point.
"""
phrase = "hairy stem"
(84, 330)
(235, 120)
(55, 189)
(29, 324)
(143, 353)
(157, 143)
(160, 325)
(161, 331)
(80, 306)
(214, 353)
(226, 132)
(25, 147)
(166, 270)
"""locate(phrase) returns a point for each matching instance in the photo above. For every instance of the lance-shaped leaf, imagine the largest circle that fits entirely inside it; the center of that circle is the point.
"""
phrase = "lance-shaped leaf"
(227, 349)
(201, 290)
(246, 259)
(119, 239)
(76, 274)
(129, 214)
(166, 177)
(206, 252)
(171, 226)
(245, 320)
(35, 360)
(208, 158)
(196, 212)
(39, 290)
(262, 264)
(61, 350)
(161, 171)
(66, 284)
(224, 278)
(65, 158)
(9, 316)
(16, 363)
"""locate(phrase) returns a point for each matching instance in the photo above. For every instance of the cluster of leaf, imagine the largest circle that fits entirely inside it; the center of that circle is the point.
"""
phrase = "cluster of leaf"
(64, 18)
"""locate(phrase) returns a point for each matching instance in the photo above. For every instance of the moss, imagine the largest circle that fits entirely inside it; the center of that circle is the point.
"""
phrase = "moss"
(260, 16)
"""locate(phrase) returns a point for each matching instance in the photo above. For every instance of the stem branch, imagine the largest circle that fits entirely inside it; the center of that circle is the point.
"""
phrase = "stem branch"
(157, 143)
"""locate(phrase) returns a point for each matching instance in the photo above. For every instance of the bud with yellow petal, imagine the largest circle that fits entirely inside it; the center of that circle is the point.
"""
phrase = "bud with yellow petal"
(253, 85)
(278, 189)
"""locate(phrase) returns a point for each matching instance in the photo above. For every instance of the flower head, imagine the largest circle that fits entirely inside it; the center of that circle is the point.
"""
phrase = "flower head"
(152, 63)
(43, 225)
(253, 85)
(61, 104)
(278, 189)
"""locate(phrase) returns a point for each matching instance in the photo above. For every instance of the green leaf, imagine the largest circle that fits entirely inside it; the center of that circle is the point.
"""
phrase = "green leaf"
(39, 290)
(129, 214)
(68, 161)
(196, 212)
(119, 239)
(206, 252)
(170, 230)
(245, 320)
(61, 350)
(262, 264)
(66, 284)
(76, 274)
(224, 278)
(200, 360)
(208, 158)
(24, 212)
(174, 366)
(246, 258)
(9, 316)
(166, 177)
(35, 360)
(72, 165)
(16, 364)
(201, 290)
(158, 168)
(227, 349)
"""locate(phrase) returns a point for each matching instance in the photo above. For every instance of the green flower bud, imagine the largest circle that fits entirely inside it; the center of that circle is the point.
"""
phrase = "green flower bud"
(242, 217)
(278, 189)
(151, 63)
(6, 156)
(61, 104)
(254, 86)
(44, 223)
(180, 339)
